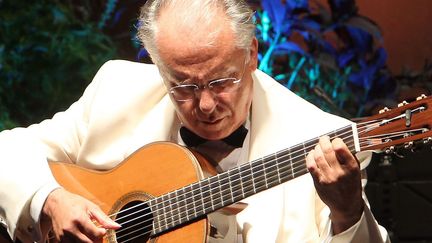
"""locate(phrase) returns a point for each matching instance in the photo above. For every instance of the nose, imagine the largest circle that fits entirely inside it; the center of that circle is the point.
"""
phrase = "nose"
(207, 101)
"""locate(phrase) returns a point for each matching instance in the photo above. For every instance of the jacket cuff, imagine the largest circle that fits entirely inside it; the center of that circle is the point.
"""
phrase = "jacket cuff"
(36, 205)
(345, 236)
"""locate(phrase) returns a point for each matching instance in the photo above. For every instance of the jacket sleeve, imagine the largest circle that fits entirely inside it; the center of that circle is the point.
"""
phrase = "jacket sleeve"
(25, 178)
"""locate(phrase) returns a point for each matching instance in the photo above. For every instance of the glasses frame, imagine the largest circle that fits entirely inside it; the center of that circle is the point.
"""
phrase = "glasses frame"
(209, 85)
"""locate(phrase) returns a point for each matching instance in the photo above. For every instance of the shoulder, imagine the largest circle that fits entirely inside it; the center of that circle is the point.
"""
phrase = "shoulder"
(122, 75)
(128, 70)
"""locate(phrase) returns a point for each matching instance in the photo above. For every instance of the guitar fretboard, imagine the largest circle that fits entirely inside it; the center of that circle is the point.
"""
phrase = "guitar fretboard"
(205, 196)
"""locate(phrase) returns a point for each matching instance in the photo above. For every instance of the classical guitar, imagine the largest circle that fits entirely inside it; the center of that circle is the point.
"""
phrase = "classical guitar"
(160, 194)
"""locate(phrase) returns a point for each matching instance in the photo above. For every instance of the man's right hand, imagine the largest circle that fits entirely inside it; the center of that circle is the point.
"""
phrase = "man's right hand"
(73, 218)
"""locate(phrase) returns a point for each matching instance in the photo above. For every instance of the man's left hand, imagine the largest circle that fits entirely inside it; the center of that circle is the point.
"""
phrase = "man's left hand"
(337, 179)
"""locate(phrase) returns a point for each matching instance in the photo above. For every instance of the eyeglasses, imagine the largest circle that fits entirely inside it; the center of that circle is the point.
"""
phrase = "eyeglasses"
(187, 92)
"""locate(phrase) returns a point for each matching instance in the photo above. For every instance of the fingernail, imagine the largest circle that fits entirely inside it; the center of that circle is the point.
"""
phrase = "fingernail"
(116, 224)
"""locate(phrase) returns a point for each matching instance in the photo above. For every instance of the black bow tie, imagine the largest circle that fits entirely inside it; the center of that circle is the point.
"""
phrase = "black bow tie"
(236, 138)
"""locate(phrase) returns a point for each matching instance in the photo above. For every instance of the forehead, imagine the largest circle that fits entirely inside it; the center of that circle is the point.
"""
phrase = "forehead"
(196, 52)
(203, 67)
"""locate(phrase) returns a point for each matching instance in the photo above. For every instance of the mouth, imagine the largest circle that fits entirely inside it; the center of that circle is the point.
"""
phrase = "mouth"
(212, 122)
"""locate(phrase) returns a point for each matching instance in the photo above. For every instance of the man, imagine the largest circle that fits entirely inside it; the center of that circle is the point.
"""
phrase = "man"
(206, 83)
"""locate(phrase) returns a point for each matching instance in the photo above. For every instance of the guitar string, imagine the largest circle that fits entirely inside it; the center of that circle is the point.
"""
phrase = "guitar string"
(303, 171)
(235, 174)
(139, 205)
(364, 139)
(222, 199)
(186, 206)
(249, 185)
(204, 205)
(295, 167)
(370, 141)
(359, 128)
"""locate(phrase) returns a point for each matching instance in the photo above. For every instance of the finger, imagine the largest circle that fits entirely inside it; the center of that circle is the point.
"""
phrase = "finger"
(320, 159)
(343, 154)
(328, 152)
(91, 231)
(103, 219)
(310, 162)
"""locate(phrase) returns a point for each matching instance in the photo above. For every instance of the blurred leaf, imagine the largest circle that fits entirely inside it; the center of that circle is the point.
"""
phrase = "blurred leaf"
(333, 59)
(48, 55)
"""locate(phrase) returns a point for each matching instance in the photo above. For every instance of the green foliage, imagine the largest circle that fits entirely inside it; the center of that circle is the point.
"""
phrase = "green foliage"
(49, 51)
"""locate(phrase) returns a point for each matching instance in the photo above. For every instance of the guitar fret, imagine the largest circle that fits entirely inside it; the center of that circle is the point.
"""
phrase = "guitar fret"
(164, 210)
(245, 177)
(206, 196)
(264, 174)
(171, 216)
(277, 167)
(190, 203)
(284, 165)
(183, 205)
(198, 200)
(236, 184)
(215, 192)
(220, 190)
(259, 178)
(226, 189)
(154, 205)
(269, 170)
(176, 208)
(297, 156)
(240, 179)
(252, 177)
(170, 211)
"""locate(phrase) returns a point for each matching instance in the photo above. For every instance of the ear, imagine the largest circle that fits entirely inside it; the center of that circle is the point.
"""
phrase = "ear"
(253, 52)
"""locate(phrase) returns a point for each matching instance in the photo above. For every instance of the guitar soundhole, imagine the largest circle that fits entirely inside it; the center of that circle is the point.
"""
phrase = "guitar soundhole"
(136, 219)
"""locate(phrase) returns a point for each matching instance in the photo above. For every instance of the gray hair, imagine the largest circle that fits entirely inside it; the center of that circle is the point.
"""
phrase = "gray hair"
(239, 14)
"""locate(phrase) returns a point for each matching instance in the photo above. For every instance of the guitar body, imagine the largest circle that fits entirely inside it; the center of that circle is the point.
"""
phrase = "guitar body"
(151, 171)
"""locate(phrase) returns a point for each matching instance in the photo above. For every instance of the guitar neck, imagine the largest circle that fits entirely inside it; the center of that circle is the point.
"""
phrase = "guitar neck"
(210, 194)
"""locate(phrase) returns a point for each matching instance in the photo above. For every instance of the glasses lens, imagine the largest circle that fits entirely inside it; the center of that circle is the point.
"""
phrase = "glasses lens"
(224, 85)
(183, 92)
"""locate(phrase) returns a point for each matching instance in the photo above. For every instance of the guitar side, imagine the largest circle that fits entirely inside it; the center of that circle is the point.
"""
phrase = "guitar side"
(151, 171)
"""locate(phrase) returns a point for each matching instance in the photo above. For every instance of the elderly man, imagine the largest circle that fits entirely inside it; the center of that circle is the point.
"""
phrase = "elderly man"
(204, 83)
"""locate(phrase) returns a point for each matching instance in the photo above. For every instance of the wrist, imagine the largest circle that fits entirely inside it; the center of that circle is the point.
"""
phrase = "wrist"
(50, 203)
(343, 220)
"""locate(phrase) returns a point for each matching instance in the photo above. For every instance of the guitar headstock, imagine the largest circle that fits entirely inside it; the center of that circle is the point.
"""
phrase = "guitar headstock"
(407, 126)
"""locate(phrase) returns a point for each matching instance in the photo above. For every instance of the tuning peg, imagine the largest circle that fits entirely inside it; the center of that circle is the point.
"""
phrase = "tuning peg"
(390, 150)
(402, 103)
(385, 109)
(422, 96)
(427, 140)
(409, 145)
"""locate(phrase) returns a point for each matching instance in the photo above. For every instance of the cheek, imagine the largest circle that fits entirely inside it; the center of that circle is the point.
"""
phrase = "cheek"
(238, 103)
(184, 110)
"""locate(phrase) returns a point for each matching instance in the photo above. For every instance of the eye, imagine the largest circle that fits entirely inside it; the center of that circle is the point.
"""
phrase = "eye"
(183, 92)
(222, 85)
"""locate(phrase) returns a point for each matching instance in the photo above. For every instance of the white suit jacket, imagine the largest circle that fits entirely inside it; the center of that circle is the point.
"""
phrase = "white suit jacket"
(125, 107)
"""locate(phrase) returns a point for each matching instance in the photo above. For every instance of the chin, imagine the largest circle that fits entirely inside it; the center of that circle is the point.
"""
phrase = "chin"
(216, 135)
